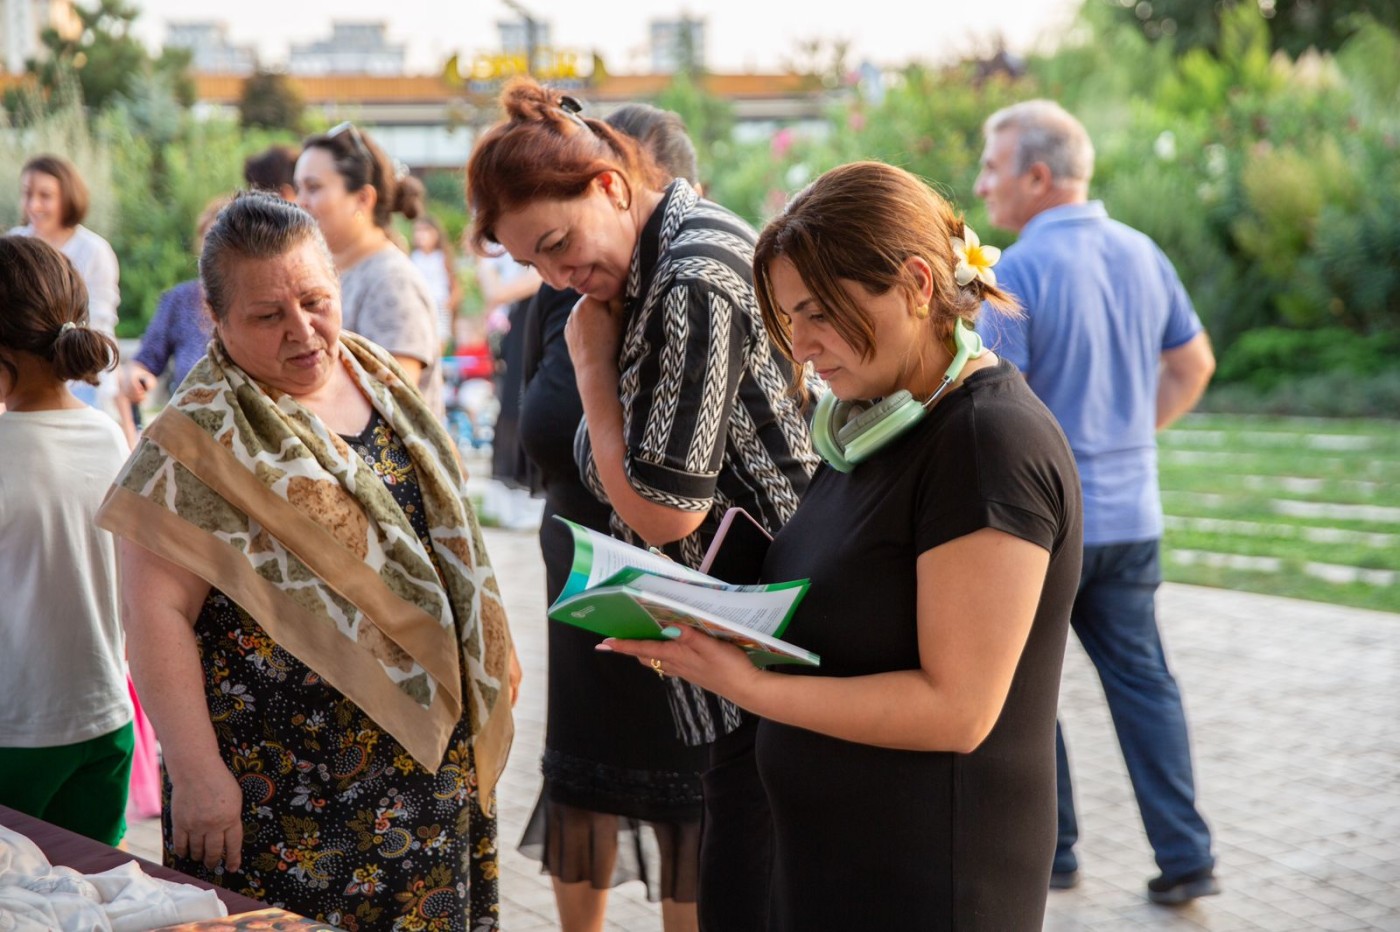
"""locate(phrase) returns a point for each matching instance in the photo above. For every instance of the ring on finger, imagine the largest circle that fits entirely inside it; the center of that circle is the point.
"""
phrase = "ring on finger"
(656, 665)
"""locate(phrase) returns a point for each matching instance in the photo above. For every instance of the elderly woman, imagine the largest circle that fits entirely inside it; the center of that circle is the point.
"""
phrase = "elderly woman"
(685, 413)
(313, 623)
(911, 777)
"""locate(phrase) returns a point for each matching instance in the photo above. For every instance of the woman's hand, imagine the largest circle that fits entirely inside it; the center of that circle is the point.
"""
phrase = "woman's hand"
(136, 381)
(594, 335)
(206, 817)
(697, 658)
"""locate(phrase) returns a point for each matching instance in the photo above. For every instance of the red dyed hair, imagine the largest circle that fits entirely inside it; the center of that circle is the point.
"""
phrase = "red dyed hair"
(543, 151)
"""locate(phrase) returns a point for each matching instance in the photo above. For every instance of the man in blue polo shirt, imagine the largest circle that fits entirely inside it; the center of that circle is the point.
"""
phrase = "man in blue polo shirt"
(1111, 344)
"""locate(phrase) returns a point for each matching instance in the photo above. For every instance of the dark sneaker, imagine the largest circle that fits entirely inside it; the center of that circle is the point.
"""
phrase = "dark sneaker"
(1173, 891)
(1064, 880)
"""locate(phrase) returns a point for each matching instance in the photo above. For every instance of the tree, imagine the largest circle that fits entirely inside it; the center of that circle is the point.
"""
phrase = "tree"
(1294, 25)
(106, 59)
(270, 101)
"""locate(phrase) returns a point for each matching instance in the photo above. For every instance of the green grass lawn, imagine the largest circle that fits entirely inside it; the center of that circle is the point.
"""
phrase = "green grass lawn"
(1288, 501)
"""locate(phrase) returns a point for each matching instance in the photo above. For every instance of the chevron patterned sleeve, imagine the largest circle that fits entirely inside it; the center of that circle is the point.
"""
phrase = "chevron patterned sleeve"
(683, 392)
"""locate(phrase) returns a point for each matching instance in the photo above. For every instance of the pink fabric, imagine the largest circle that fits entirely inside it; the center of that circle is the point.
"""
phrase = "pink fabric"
(144, 801)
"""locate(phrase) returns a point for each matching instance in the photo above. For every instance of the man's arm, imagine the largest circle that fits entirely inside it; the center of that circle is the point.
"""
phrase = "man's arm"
(1186, 370)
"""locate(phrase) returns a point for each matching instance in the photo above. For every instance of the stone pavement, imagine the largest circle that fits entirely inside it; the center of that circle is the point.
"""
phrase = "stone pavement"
(1295, 715)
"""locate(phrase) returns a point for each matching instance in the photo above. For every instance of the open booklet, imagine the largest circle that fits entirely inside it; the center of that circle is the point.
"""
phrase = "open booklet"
(621, 591)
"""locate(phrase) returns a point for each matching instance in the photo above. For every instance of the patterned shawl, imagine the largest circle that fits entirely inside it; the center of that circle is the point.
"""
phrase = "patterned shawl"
(250, 491)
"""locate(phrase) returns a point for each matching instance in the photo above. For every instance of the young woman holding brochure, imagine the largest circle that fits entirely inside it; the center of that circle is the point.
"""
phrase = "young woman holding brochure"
(911, 777)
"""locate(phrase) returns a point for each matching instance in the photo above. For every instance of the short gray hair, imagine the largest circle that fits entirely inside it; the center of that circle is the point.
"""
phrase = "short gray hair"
(254, 225)
(1046, 133)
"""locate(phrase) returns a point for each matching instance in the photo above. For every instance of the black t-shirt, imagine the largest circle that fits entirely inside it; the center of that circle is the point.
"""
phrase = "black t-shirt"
(924, 840)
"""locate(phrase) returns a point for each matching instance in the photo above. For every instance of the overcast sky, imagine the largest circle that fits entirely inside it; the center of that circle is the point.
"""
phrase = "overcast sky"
(757, 35)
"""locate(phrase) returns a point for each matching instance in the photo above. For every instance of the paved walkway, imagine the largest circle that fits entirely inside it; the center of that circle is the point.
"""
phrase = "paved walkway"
(1295, 715)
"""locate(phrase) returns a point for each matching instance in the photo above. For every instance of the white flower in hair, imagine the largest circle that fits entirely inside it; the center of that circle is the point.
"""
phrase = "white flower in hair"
(974, 259)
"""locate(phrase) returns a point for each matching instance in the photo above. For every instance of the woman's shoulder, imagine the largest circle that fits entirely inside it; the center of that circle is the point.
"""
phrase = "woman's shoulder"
(385, 275)
(995, 421)
(713, 249)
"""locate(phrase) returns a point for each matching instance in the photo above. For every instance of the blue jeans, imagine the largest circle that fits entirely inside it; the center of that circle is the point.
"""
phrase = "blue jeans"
(1115, 619)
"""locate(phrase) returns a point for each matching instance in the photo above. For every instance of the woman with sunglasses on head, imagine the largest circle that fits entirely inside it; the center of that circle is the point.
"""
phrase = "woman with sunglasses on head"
(353, 189)
(685, 413)
(911, 776)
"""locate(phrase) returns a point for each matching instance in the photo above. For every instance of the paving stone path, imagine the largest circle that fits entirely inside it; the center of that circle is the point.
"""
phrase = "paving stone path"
(1295, 715)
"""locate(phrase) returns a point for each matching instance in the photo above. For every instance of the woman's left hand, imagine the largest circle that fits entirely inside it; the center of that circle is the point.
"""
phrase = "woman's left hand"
(697, 658)
(594, 334)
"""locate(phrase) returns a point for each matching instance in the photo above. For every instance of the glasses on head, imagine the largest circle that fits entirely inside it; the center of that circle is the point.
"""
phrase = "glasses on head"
(356, 140)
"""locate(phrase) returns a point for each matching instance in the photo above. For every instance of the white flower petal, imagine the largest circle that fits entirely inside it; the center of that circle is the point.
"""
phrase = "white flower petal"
(959, 247)
(988, 276)
(964, 273)
(992, 254)
(971, 237)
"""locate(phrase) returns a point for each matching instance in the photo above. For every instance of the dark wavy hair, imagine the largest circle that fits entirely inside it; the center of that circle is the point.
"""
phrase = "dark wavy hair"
(360, 162)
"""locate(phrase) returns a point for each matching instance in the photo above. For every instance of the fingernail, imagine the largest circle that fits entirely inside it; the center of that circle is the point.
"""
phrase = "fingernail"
(670, 632)
(605, 646)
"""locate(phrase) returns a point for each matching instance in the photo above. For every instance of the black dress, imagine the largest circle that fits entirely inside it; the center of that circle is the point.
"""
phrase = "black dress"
(872, 838)
(339, 823)
(613, 765)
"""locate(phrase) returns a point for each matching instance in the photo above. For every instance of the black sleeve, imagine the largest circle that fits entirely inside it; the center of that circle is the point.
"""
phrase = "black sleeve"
(997, 465)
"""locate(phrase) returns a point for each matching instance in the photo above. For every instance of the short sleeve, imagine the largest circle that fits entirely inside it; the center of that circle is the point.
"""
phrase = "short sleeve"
(1182, 322)
(396, 312)
(998, 466)
(158, 342)
(678, 398)
(104, 295)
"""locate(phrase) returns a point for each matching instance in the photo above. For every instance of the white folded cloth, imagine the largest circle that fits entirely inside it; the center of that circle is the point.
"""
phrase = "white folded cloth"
(35, 895)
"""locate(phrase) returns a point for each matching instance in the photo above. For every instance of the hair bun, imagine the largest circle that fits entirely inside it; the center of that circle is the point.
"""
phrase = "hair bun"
(410, 197)
(524, 98)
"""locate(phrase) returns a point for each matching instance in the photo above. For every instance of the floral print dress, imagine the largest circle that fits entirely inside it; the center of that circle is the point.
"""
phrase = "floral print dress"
(339, 822)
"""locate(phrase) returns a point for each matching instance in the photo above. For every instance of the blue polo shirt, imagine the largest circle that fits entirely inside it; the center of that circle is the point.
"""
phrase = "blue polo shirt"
(1102, 303)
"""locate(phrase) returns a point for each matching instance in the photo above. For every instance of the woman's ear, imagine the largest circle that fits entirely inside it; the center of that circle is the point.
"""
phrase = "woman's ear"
(366, 198)
(615, 188)
(920, 279)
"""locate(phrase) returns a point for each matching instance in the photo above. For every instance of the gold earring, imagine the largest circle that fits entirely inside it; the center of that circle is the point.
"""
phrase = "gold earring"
(921, 312)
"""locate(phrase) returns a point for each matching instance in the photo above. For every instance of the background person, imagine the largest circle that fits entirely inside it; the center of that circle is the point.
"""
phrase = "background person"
(53, 202)
(1111, 344)
(273, 170)
(353, 190)
(684, 403)
(432, 257)
(330, 750)
(178, 335)
(911, 775)
(604, 719)
(507, 287)
(65, 718)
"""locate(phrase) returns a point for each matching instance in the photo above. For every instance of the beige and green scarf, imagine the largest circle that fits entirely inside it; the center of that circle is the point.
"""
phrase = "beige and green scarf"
(250, 491)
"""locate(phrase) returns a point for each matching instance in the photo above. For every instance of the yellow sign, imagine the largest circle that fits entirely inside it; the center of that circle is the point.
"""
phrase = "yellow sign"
(550, 65)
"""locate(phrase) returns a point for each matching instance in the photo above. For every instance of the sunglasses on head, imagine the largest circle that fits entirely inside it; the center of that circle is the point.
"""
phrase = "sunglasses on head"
(356, 139)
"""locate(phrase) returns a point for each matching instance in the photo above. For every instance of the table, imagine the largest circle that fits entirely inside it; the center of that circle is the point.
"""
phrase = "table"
(88, 856)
